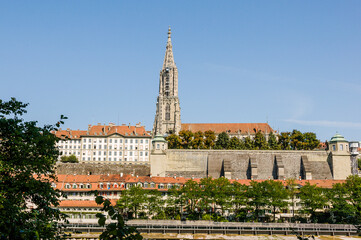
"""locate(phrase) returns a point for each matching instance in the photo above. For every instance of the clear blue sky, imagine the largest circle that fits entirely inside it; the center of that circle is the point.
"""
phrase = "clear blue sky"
(295, 64)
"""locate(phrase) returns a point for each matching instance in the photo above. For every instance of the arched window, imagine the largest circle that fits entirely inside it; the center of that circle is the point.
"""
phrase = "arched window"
(74, 185)
(88, 186)
(167, 112)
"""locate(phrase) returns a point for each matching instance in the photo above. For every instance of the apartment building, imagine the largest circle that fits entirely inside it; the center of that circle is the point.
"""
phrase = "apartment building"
(107, 144)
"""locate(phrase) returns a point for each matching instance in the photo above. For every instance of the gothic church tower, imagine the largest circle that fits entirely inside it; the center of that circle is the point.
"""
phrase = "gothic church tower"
(167, 118)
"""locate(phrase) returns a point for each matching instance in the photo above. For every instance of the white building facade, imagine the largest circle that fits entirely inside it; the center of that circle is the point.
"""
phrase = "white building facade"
(107, 144)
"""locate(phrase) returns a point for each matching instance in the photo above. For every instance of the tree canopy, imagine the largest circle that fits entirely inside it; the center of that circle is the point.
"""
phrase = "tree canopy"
(27, 158)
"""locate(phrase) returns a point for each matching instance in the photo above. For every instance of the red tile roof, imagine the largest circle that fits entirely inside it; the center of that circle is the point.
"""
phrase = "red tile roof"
(230, 128)
(83, 203)
(95, 181)
(104, 130)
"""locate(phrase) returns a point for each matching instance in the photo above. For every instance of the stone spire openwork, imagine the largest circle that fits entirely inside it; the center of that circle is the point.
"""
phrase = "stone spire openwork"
(168, 58)
(167, 118)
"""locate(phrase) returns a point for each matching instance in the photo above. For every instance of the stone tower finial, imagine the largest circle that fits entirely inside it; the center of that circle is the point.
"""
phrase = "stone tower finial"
(168, 58)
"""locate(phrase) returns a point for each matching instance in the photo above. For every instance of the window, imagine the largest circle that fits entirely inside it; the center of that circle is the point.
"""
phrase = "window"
(141, 154)
(105, 141)
(131, 140)
(141, 140)
(126, 140)
(167, 112)
(146, 141)
(89, 146)
(115, 153)
(115, 141)
(341, 147)
(136, 140)
(110, 140)
(100, 152)
(120, 141)
(146, 154)
(120, 153)
(110, 153)
(74, 185)
(130, 153)
(333, 147)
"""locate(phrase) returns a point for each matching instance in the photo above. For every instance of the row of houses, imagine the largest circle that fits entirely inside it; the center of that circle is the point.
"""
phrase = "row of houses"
(80, 201)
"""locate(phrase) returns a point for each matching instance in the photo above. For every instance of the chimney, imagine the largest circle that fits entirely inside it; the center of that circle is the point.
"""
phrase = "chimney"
(99, 124)
(138, 125)
(121, 174)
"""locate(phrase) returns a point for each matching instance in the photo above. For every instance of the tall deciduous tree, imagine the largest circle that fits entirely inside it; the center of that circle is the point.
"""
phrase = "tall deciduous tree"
(198, 140)
(248, 143)
(174, 141)
(284, 140)
(260, 141)
(186, 137)
(235, 143)
(27, 159)
(222, 141)
(310, 141)
(272, 142)
(277, 196)
(132, 200)
(209, 138)
(312, 198)
(297, 140)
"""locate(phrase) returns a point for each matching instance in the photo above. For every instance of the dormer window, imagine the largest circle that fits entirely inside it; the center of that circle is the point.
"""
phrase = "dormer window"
(74, 185)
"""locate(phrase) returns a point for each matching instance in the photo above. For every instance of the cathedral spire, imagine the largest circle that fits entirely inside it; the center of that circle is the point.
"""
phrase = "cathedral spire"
(169, 59)
(167, 118)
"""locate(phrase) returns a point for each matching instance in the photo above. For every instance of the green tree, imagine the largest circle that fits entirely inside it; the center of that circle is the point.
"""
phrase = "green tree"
(239, 201)
(69, 159)
(284, 140)
(190, 194)
(209, 188)
(132, 200)
(115, 230)
(292, 193)
(209, 139)
(310, 141)
(272, 142)
(312, 198)
(154, 204)
(296, 140)
(27, 160)
(359, 163)
(260, 141)
(174, 141)
(346, 201)
(277, 196)
(222, 141)
(257, 197)
(235, 143)
(186, 137)
(248, 143)
(198, 140)
(223, 194)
